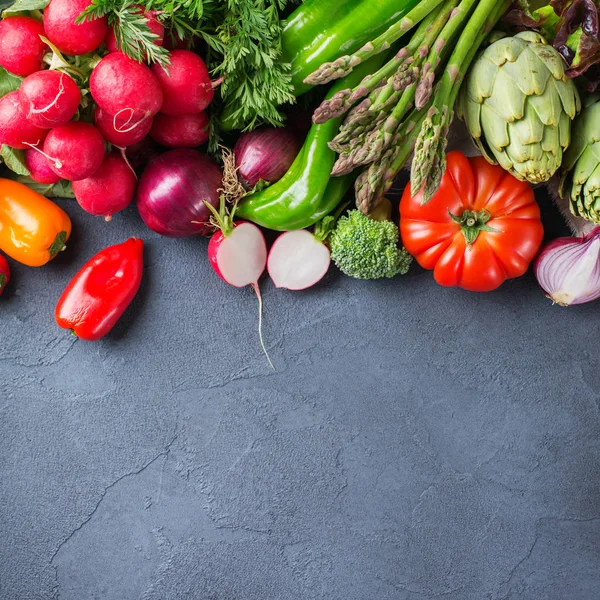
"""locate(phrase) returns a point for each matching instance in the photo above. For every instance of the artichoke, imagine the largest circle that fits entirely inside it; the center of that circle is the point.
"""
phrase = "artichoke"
(518, 105)
(580, 173)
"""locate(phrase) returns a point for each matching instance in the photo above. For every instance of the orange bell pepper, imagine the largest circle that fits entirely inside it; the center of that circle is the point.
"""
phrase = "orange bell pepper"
(33, 230)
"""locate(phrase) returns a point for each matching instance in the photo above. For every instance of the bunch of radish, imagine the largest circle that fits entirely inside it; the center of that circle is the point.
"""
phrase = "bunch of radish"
(134, 105)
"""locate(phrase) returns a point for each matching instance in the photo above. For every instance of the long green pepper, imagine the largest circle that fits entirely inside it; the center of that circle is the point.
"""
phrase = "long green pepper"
(307, 192)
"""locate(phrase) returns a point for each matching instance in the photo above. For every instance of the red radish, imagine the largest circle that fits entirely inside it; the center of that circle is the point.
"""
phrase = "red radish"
(298, 260)
(140, 154)
(21, 49)
(153, 23)
(125, 88)
(74, 150)
(238, 254)
(185, 131)
(65, 34)
(109, 190)
(49, 98)
(186, 84)
(119, 131)
(174, 190)
(39, 169)
(15, 130)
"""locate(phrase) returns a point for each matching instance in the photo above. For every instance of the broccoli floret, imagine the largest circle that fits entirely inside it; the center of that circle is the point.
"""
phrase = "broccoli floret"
(367, 249)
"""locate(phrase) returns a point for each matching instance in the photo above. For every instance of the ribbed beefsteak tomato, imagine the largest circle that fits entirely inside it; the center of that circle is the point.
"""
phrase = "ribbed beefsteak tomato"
(481, 227)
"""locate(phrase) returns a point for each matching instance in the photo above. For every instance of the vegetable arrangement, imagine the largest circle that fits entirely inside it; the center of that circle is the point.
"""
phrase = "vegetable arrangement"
(111, 101)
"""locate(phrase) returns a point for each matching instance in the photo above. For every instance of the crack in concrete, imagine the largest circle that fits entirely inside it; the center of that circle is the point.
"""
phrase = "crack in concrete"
(163, 453)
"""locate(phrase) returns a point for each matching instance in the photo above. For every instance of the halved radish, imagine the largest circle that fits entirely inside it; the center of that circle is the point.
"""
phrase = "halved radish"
(298, 260)
(238, 254)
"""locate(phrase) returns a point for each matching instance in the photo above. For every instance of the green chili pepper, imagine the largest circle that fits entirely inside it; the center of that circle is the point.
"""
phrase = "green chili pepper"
(354, 24)
(306, 193)
(310, 19)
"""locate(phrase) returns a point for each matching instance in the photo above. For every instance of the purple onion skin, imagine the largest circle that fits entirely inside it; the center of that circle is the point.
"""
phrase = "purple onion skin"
(558, 259)
(172, 190)
(266, 153)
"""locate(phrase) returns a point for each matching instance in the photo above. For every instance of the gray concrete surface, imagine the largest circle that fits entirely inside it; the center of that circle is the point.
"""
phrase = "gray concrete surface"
(413, 443)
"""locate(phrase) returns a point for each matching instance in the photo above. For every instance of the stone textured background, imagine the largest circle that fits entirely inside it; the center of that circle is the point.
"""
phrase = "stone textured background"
(413, 443)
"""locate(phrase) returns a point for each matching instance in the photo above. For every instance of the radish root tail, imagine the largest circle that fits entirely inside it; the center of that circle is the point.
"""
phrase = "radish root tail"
(61, 91)
(127, 126)
(260, 311)
(57, 163)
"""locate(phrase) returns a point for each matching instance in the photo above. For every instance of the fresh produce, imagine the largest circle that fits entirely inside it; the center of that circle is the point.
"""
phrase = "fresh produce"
(74, 150)
(97, 90)
(306, 193)
(21, 48)
(15, 130)
(298, 260)
(480, 228)
(518, 105)
(109, 190)
(39, 168)
(173, 190)
(409, 101)
(49, 98)
(33, 230)
(580, 174)
(364, 248)
(4, 273)
(121, 132)
(568, 269)
(183, 131)
(67, 35)
(265, 155)
(125, 88)
(102, 289)
(186, 84)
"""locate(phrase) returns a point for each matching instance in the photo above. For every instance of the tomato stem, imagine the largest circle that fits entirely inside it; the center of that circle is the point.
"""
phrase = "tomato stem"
(472, 223)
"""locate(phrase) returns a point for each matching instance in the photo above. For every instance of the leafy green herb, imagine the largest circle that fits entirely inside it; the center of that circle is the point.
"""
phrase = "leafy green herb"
(14, 160)
(255, 81)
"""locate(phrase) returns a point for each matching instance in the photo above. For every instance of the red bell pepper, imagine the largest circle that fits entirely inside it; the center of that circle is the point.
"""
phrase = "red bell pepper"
(101, 291)
(4, 273)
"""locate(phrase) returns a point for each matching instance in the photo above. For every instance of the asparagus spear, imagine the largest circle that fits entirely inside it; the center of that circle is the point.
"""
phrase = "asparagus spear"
(367, 146)
(344, 99)
(379, 177)
(456, 20)
(429, 163)
(344, 65)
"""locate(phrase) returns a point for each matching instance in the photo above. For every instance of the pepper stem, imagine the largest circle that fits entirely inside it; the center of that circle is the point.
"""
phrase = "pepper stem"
(58, 244)
(472, 223)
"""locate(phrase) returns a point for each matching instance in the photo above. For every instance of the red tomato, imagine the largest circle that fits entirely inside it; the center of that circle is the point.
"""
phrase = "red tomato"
(481, 227)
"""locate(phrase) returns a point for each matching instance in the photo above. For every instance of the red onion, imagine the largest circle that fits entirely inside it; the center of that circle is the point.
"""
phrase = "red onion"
(266, 153)
(172, 191)
(568, 269)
